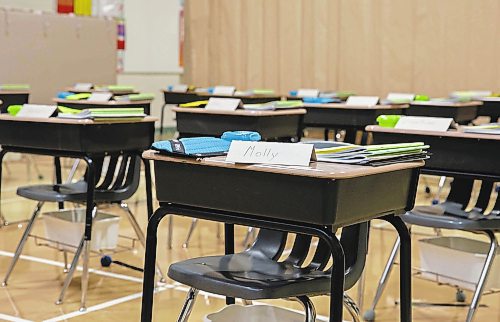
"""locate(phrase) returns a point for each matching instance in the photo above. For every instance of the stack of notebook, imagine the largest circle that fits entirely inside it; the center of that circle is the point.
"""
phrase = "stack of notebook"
(374, 155)
(275, 105)
(491, 128)
(102, 114)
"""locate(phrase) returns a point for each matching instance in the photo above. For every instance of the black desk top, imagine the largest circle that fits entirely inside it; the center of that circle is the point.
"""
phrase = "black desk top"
(110, 103)
(77, 136)
(452, 152)
(325, 193)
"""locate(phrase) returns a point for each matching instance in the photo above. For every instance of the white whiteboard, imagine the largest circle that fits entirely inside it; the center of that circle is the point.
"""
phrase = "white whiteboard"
(152, 36)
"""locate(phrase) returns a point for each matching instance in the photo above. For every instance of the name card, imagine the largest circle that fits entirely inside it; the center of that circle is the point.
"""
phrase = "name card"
(100, 97)
(224, 90)
(270, 153)
(37, 111)
(400, 97)
(308, 92)
(424, 123)
(180, 88)
(83, 86)
(362, 100)
(223, 104)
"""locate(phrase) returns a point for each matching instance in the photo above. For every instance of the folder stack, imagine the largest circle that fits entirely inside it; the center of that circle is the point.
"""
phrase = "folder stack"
(374, 155)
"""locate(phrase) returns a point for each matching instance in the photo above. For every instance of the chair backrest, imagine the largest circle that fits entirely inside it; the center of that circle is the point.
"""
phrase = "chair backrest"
(461, 192)
(354, 240)
(117, 177)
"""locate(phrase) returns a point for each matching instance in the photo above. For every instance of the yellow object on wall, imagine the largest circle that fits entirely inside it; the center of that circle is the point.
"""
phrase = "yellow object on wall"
(83, 7)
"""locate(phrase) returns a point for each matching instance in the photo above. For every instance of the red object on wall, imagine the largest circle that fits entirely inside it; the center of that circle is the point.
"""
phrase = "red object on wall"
(65, 6)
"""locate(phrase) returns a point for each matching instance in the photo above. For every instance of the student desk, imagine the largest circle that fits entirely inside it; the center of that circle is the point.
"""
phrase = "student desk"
(176, 98)
(342, 116)
(466, 157)
(84, 104)
(272, 125)
(93, 90)
(82, 139)
(453, 153)
(313, 201)
(462, 112)
(13, 97)
(490, 107)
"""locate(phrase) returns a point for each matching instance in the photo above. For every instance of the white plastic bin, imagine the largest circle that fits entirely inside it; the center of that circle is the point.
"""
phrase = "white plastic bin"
(67, 227)
(254, 313)
(457, 261)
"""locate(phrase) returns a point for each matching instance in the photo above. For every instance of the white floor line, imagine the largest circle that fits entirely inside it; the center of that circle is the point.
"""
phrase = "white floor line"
(107, 304)
(5, 317)
(79, 268)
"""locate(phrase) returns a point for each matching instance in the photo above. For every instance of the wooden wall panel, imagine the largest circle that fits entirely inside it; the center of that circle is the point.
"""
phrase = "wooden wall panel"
(370, 47)
(360, 47)
(290, 43)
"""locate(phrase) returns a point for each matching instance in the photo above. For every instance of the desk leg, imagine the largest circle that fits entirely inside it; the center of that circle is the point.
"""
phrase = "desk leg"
(3, 221)
(229, 249)
(149, 192)
(405, 266)
(162, 115)
(148, 285)
(338, 273)
(89, 216)
(57, 167)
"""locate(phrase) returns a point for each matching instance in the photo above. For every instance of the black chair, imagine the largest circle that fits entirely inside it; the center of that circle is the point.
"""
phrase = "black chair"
(453, 214)
(117, 179)
(258, 272)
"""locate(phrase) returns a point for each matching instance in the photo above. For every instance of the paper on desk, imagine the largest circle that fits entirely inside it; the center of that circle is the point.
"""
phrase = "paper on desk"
(37, 111)
(82, 86)
(424, 123)
(223, 104)
(224, 90)
(100, 97)
(362, 100)
(180, 88)
(270, 153)
(308, 92)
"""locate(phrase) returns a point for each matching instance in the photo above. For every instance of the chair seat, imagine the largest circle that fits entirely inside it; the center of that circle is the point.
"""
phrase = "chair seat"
(250, 276)
(71, 192)
(448, 215)
(55, 193)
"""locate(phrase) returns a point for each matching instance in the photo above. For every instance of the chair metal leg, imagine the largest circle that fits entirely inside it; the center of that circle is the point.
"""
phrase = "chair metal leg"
(22, 242)
(188, 305)
(65, 255)
(249, 236)
(170, 237)
(85, 274)
(71, 272)
(488, 263)
(370, 313)
(361, 289)
(308, 306)
(140, 235)
(352, 308)
(194, 223)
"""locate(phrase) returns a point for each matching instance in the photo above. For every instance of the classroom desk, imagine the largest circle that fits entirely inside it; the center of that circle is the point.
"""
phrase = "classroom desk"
(176, 98)
(83, 104)
(13, 97)
(466, 157)
(93, 90)
(453, 153)
(82, 139)
(490, 107)
(350, 118)
(314, 201)
(462, 112)
(272, 125)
